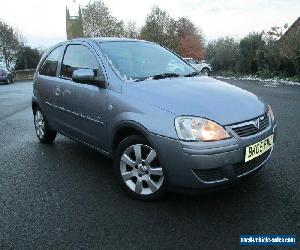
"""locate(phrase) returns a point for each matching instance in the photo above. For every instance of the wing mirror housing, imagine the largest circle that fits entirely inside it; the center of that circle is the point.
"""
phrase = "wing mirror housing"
(87, 76)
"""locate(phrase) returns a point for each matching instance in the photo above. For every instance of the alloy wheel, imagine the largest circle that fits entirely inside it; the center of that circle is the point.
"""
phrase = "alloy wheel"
(141, 169)
(39, 124)
(205, 72)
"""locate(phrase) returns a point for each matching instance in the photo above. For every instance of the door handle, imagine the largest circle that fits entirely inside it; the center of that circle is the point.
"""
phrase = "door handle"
(57, 91)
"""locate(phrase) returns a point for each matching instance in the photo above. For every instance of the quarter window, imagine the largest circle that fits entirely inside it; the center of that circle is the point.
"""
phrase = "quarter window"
(49, 66)
(78, 57)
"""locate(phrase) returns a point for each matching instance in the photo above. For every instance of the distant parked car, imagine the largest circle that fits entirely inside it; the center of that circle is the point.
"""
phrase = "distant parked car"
(6, 77)
(201, 66)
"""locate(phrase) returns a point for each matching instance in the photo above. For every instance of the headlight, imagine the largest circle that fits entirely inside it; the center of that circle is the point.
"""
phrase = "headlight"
(199, 129)
(270, 113)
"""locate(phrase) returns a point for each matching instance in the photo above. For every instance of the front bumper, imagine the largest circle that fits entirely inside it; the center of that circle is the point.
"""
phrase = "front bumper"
(197, 165)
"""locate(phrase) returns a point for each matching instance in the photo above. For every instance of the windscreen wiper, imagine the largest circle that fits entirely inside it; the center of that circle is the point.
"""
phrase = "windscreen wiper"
(194, 73)
(158, 76)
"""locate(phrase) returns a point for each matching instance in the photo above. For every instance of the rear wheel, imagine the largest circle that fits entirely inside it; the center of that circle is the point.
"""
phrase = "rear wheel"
(205, 71)
(139, 169)
(43, 132)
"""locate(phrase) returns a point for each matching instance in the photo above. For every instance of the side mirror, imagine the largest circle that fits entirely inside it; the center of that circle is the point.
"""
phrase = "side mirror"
(87, 76)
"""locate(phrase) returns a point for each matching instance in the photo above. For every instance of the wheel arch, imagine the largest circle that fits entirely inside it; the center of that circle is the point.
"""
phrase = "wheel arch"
(205, 67)
(34, 104)
(126, 129)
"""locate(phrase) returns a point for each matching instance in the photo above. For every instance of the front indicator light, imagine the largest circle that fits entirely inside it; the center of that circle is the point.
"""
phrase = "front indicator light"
(271, 114)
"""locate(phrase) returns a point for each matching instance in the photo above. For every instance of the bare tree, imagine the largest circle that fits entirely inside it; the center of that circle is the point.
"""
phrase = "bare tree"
(9, 45)
(131, 29)
(160, 28)
(98, 22)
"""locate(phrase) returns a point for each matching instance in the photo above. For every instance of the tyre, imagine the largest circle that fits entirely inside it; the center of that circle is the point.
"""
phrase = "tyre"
(205, 71)
(139, 170)
(43, 132)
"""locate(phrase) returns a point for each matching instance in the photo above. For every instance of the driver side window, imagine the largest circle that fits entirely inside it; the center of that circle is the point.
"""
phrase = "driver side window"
(78, 57)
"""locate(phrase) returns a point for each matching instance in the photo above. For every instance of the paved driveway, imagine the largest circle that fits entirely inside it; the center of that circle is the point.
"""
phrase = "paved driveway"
(65, 195)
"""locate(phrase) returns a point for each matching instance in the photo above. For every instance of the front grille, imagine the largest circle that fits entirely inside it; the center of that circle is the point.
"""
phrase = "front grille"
(242, 168)
(249, 128)
(210, 175)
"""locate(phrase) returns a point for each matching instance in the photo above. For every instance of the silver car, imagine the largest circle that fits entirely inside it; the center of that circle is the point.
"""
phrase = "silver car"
(201, 66)
(166, 128)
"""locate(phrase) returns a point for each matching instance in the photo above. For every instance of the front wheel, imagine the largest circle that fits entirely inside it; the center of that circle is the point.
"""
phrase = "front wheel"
(139, 169)
(43, 132)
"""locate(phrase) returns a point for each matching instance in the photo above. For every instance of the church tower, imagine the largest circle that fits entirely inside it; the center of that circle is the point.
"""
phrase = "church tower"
(74, 27)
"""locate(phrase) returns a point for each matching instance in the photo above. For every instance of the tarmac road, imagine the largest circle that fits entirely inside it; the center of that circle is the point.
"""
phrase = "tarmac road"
(66, 196)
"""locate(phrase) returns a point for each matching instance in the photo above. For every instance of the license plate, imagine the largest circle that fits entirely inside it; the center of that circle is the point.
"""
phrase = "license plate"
(258, 148)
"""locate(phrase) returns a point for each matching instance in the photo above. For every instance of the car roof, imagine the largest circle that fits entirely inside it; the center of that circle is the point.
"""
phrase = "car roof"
(116, 39)
(107, 39)
(96, 39)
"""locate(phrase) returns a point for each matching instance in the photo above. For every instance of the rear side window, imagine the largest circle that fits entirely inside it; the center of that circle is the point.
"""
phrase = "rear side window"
(78, 57)
(49, 66)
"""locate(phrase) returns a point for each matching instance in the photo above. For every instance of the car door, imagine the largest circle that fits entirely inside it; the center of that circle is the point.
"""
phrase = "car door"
(45, 82)
(82, 106)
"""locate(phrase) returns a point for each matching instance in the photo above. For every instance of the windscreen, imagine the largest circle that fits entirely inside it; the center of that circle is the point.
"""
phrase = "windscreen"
(136, 60)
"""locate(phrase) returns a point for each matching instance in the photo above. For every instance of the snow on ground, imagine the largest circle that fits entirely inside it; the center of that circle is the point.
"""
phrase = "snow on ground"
(271, 81)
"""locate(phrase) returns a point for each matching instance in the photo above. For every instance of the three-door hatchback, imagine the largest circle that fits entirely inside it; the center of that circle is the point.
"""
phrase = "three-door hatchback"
(165, 126)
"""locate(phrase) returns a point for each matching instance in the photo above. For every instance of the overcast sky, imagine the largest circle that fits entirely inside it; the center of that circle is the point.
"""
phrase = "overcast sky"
(43, 22)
